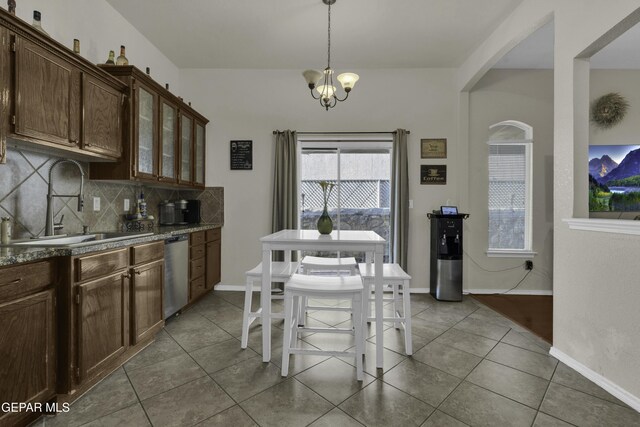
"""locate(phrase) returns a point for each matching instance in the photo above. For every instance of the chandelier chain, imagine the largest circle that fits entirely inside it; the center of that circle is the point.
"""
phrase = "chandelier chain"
(329, 39)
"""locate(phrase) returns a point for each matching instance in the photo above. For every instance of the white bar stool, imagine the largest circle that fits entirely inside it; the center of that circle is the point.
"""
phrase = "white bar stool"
(315, 263)
(280, 272)
(331, 287)
(311, 264)
(395, 276)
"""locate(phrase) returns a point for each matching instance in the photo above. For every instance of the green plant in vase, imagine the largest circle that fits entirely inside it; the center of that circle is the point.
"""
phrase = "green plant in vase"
(325, 225)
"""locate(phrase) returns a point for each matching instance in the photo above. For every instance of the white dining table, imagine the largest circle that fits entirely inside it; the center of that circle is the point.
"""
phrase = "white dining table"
(368, 242)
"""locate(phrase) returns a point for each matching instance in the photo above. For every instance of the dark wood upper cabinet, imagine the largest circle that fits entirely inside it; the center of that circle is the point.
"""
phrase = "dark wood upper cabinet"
(164, 139)
(168, 146)
(186, 150)
(53, 98)
(145, 132)
(102, 118)
(47, 95)
(199, 153)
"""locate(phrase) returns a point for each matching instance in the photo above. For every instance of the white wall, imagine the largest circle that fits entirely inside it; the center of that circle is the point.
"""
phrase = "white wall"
(526, 96)
(596, 292)
(251, 104)
(100, 28)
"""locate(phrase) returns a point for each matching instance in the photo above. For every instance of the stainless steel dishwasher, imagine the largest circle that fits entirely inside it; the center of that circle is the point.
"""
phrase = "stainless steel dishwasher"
(176, 274)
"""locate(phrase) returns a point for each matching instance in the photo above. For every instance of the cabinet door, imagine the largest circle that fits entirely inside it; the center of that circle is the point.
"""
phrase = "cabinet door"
(146, 300)
(146, 133)
(47, 103)
(168, 141)
(213, 270)
(199, 155)
(103, 320)
(102, 118)
(186, 149)
(27, 349)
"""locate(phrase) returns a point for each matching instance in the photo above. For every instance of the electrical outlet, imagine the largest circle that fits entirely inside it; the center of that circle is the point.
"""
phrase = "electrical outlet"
(126, 205)
(96, 204)
(410, 204)
(528, 265)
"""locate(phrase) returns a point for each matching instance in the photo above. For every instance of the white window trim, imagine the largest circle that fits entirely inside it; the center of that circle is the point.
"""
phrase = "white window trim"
(613, 226)
(527, 251)
(510, 253)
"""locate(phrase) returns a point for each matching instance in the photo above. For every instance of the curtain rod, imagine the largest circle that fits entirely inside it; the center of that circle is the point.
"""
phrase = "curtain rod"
(342, 133)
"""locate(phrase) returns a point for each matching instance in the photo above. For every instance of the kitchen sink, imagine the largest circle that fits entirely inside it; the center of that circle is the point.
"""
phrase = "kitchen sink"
(72, 241)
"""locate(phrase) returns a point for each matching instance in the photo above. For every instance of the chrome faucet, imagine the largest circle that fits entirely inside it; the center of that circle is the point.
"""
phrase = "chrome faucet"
(49, 229)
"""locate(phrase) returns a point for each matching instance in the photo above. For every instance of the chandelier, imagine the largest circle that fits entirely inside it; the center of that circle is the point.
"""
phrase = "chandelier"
(327, 91)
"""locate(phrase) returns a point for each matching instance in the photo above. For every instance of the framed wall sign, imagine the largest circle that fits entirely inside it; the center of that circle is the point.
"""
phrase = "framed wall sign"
(241, 155)
(433, 174)
(433, 148)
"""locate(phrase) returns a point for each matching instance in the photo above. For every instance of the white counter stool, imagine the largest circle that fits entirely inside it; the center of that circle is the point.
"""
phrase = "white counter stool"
(400, 281)
(316, 264)
(280, 273)
(320, 287)
(311, 264)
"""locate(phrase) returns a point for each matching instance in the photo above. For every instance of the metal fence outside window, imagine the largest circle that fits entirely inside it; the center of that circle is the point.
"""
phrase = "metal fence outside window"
(354, 194)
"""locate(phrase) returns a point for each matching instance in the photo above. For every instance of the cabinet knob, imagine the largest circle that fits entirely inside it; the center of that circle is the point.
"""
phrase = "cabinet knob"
(126, 276)
(137, 272)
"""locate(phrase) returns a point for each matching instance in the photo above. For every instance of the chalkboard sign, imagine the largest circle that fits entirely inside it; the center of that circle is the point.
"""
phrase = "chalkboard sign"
(241, 155)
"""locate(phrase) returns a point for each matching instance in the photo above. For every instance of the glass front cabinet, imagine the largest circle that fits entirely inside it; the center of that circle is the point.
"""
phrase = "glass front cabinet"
(168, 141)
(164, 138)
(199, 155)
(146, 159)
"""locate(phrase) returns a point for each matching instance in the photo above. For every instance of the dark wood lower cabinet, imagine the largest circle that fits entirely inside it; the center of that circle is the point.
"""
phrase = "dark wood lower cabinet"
(146, 300)
(27, 353)
(213, 252)
(103, 322)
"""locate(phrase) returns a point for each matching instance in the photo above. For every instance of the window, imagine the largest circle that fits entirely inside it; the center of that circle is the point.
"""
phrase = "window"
(360, 166)
(510, 172)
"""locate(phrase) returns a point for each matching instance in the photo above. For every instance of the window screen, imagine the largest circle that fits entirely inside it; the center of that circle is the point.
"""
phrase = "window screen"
(508, 196)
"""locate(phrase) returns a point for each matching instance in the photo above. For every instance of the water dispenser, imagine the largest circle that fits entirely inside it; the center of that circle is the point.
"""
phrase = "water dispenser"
(446, 254)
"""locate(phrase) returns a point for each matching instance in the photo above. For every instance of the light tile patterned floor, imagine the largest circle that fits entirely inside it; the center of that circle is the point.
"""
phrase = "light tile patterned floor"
(471, 366)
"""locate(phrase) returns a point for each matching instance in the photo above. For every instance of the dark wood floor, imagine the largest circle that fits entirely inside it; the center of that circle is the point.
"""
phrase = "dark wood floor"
(534, 312)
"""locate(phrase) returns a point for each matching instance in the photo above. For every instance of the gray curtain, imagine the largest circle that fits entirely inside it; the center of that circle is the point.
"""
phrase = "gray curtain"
(285, 185)
(399, 199)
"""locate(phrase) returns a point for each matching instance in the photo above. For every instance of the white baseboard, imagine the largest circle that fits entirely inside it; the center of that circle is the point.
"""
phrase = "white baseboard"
(598, 379)
(513, 292)
(223, 287)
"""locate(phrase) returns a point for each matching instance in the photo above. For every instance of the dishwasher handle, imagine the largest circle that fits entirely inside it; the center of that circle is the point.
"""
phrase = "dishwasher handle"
(174, 239)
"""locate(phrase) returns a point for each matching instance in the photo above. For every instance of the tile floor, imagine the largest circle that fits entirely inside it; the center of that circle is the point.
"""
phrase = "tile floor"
(471, 366)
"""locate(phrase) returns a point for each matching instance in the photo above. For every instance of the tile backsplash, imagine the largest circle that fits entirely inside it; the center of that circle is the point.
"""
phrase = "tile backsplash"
(23, 197)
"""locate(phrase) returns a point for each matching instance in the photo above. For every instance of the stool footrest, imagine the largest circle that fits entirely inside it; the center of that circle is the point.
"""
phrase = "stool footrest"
(328, 330)
(324, 308)
(322, 352)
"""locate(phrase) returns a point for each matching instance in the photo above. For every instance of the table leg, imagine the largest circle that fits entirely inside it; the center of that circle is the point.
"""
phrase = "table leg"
(378, 304)
(265, 303)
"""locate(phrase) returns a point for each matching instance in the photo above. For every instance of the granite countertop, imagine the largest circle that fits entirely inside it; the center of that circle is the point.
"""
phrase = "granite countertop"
(17, 254)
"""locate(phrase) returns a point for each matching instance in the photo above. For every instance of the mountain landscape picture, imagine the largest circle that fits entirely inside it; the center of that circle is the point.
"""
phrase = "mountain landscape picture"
(614, 178)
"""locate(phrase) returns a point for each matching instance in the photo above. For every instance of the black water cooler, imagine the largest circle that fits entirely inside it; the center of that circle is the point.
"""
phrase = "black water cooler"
(446, 256)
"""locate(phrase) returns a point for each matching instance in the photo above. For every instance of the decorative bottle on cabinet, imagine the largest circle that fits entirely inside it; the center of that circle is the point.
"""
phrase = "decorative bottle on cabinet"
(112, 57)
(37, 24)
(122, 60)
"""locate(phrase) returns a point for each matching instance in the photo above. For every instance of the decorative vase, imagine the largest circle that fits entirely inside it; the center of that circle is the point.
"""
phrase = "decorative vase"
(325, 225)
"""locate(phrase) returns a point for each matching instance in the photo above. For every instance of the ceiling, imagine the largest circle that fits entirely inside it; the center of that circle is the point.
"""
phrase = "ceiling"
(536, 52)
(273, 34)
